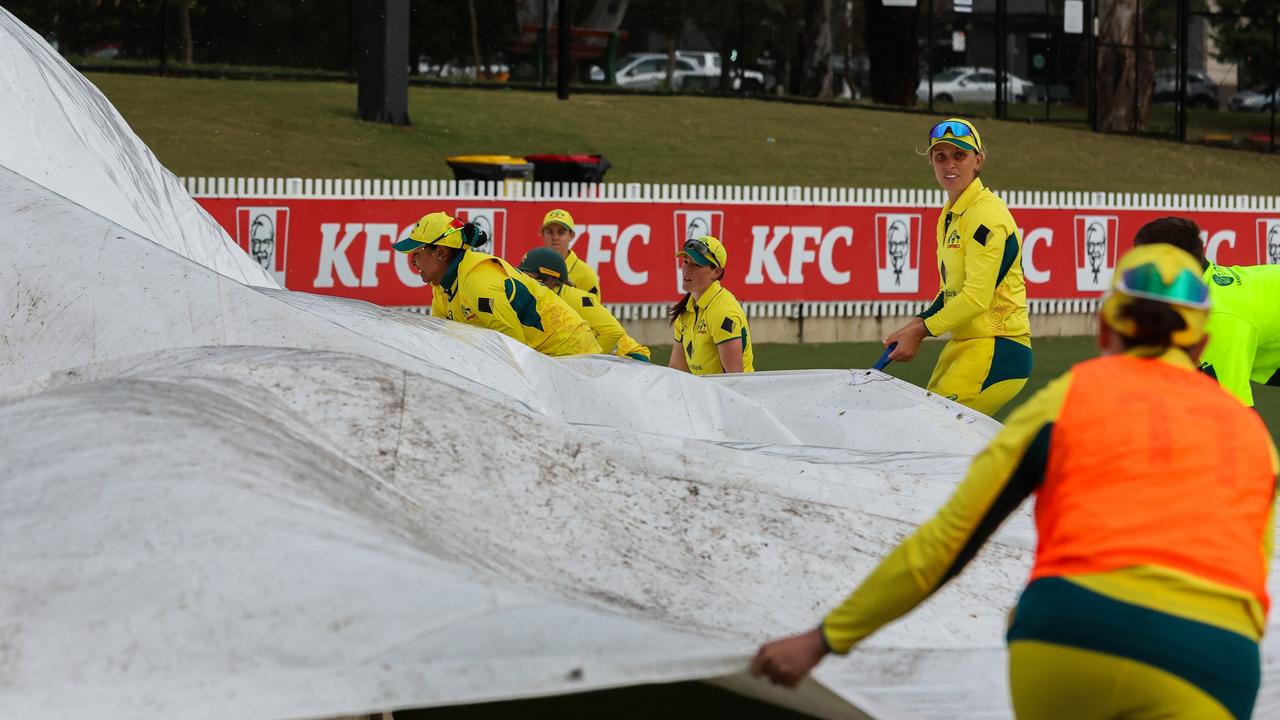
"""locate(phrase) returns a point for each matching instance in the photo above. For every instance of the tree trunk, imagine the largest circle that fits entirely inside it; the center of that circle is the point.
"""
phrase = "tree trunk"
(481, 70)
(184, 23)
(893, 52)
(816, 50)
(1125, 75)
(671, 61)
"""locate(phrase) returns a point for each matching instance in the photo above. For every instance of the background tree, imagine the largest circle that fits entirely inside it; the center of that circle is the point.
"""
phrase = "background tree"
(1248, 41)
(893, 50)
(816, 50)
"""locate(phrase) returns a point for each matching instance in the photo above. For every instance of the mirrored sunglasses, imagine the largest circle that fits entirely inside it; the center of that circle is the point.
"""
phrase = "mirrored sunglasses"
(1145, 281)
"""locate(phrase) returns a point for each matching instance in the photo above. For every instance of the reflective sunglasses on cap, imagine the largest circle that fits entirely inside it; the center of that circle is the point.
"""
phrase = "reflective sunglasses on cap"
(701, 248)
(954, 128)
(1145, 281)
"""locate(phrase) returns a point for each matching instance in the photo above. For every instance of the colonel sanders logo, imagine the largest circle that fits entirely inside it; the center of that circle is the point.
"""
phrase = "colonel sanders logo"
(1095, 250)
(263, 232)
(492, 222)
(898, 252)
(1269, 241)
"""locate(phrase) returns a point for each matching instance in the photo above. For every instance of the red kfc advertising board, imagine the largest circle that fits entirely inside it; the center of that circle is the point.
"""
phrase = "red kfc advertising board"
(778, 252)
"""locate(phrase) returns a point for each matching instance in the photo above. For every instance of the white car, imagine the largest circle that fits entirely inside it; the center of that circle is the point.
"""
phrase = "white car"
(708, 64)
(694, 70)
(972, 84)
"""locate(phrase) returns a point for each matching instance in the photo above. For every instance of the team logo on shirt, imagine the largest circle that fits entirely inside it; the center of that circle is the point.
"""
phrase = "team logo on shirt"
(1269, 241)
(263, 232)
(1096, 250)
(898, 252)
(491, 221)
(691, 224)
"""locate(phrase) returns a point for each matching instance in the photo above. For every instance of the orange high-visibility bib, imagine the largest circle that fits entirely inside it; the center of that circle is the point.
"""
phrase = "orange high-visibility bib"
(1151, 464)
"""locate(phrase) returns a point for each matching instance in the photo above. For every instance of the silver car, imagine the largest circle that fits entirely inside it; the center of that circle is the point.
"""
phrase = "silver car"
(1255, 100)
(972, 84)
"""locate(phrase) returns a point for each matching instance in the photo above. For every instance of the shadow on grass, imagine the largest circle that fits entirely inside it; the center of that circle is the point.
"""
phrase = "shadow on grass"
(676, 700)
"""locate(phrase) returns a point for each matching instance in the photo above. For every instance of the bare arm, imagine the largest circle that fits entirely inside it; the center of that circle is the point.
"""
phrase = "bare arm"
(678, 360)
(731, 355)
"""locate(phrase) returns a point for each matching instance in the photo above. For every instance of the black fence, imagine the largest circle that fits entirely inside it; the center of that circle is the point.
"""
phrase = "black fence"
(1183, 70)
(1177, 69)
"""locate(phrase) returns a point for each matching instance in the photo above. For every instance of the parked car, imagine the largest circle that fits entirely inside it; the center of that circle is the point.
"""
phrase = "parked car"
(1201, 91)
(708, 64)
(972, 84)
(1255, 100)
(694, 70)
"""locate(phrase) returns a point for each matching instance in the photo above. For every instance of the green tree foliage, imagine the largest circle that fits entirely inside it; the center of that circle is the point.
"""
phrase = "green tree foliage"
(1243, 31)
(289, 33)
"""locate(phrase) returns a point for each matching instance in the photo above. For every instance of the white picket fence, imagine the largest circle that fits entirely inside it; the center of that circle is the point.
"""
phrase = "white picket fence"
(283, 188)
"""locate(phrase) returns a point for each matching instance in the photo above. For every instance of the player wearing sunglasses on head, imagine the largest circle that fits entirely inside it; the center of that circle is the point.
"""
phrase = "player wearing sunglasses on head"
(1153, 509)
(1244, 326)
(711, 333)
(482, 290)
(982, 300)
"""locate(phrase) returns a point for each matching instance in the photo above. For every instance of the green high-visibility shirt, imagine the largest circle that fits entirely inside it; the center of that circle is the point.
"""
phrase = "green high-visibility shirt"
(1243, 327)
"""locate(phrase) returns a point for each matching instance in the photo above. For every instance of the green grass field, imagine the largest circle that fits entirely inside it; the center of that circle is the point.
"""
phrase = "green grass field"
(308, 129)
(1053, 356)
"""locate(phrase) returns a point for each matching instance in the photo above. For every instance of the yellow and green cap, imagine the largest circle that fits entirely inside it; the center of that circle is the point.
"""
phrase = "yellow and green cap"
(1163, 273)
(958, 132)
(705, 250)
(546, 262)
(438, 228)
(558, 216)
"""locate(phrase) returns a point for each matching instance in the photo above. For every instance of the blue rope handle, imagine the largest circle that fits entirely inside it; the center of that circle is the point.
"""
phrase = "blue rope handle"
(884, 361)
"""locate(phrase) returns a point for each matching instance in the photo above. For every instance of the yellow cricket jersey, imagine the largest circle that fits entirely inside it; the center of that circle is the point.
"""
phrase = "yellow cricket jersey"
(1007, 471)
(714, 318)
(980, 264)
(606, 327)
(582, 275)
(485, 291)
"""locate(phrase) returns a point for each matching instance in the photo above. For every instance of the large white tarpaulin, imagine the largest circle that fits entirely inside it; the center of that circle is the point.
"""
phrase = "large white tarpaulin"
(223, 499)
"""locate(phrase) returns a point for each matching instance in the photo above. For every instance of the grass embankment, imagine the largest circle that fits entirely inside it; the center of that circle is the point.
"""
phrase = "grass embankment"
(290, 129)
(1053, 356)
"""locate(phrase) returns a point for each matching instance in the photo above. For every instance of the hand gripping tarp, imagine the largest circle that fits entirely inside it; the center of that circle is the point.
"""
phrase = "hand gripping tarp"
(222, 499)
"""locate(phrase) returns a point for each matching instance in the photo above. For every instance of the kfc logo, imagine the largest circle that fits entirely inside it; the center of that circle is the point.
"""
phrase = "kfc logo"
(898, 252)
(263, 232)
(491, 222)
(1269, 241)
(690, 224)
(1096, 248)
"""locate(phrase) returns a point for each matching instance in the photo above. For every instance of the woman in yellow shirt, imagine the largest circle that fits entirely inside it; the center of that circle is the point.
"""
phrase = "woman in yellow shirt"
(711, 333)
(982, 300)
(482, 290)
(548, 267)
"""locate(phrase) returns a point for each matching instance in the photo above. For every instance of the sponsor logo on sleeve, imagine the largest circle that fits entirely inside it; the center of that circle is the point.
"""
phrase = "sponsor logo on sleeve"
(263, 232)
(898, 252)
(1096, 245)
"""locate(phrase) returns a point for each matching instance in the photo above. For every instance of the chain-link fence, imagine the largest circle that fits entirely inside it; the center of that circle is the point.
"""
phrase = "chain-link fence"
(1007, 58)
(1203, 71)
(1188, 69)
